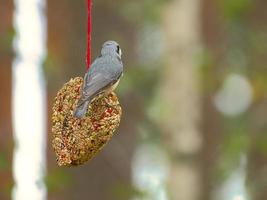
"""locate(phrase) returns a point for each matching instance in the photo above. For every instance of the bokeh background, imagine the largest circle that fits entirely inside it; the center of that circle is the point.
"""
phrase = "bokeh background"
(194, 99)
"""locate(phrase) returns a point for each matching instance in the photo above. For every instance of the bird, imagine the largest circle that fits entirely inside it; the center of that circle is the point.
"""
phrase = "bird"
(102, 77)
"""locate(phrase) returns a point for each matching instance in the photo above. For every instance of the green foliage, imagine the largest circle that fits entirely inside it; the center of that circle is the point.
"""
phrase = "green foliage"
(235, 146)
(150, 132)
(53, 72)
(235, 143)
(235, 9)
(6, 40)
(57, 180)
(126, 191)
(262, 144)
(3, 162)
(138, 10)
(141, 80)
(206, 71)
(8, 189)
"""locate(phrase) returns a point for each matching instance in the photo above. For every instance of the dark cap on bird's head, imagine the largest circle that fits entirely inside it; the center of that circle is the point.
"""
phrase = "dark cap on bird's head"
(111, 47)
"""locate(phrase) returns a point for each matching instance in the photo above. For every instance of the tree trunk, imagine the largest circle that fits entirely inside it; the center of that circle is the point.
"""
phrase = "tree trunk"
(181, 99)
(29, 101)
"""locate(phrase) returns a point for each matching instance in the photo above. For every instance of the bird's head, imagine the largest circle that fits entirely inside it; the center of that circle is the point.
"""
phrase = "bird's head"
(111, 47)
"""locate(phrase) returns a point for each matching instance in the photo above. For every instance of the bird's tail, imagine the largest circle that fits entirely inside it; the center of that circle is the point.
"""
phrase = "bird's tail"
(81, 109)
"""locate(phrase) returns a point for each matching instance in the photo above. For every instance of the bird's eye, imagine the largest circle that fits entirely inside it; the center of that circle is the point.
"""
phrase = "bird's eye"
(119, 50)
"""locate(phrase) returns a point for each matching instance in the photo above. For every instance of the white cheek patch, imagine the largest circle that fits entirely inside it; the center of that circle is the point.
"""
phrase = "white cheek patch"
(120, 53)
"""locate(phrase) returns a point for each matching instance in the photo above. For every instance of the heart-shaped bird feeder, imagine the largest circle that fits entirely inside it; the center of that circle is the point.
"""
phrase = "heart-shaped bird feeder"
(75, 140)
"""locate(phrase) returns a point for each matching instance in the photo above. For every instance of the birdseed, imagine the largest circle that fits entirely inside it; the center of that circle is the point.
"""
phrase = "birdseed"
(75, 141)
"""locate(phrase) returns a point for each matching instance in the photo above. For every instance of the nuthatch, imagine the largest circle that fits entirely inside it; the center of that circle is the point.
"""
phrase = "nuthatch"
(102, 77)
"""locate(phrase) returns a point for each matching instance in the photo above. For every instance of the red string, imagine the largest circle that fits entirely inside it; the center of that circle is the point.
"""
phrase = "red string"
(89, 29)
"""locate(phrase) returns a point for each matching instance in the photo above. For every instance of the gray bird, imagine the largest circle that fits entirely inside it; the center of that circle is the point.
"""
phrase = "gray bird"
(102, 77)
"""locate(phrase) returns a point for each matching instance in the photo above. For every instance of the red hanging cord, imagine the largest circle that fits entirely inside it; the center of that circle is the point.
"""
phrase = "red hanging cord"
(89, 29)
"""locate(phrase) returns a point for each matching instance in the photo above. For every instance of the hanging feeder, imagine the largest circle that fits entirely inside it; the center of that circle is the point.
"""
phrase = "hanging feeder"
(75, 140)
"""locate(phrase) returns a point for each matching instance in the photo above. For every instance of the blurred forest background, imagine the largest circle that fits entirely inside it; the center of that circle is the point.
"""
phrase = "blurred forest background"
(194, 98)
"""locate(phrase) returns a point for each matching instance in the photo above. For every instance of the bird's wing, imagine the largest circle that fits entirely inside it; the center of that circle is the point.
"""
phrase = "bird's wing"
(101, 76)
